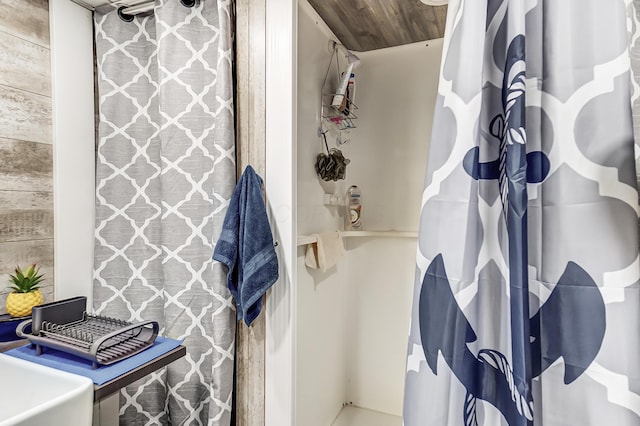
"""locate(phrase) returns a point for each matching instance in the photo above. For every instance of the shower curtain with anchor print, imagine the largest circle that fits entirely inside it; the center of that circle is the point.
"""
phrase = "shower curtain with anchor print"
(527, 305)
(165, 174)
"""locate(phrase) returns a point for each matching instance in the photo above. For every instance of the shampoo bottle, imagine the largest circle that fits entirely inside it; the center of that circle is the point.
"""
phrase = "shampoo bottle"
(355, 209)
(338, 98)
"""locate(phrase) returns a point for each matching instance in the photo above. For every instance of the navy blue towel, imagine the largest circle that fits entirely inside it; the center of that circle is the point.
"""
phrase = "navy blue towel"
(246, 247)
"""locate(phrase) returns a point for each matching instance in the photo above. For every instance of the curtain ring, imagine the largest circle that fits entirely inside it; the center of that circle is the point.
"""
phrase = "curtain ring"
(124, 16)
(188, 3)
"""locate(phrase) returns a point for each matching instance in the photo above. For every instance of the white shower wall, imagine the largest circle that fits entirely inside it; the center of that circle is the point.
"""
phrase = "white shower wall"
(353, 320)
(396, 93)
(321, 336)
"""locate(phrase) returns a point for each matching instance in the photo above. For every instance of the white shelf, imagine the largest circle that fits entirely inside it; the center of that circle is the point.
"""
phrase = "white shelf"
(310, 239)
(356, 416)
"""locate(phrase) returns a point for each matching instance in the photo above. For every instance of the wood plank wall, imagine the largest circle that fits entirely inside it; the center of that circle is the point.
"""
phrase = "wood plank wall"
(26, 158)
(363, 25)
(250, 150)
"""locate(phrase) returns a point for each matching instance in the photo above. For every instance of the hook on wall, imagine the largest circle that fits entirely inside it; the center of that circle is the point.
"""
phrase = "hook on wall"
(334, 47)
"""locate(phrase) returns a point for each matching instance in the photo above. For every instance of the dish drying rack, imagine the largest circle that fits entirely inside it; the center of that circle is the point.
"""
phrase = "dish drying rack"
(66, 326)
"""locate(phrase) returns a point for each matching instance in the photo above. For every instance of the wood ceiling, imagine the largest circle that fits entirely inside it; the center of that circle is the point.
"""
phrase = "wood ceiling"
(363, 25)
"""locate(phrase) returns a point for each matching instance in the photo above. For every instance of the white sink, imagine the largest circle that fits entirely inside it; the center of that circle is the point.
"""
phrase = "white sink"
(35, 395)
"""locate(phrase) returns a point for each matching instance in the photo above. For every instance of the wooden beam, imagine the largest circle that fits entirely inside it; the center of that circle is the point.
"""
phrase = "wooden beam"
(250, 70)
(250, 150)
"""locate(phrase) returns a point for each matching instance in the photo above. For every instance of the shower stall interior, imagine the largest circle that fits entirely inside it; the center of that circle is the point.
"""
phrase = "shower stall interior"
(353, 319)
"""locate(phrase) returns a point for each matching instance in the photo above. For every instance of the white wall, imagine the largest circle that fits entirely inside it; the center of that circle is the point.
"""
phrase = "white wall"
(396, 93)
(321, 366)
(280, 104)
(313, 60)
(380, 280)
(73, 147)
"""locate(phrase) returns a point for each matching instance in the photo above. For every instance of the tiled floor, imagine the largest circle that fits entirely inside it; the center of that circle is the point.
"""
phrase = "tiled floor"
(355, 416)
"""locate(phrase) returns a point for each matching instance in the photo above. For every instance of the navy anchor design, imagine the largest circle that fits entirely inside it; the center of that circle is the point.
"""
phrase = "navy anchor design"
(570, 325)
(538, 166)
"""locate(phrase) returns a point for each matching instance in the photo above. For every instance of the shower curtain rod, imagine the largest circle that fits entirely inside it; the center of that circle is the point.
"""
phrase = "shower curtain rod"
(147, 6)
(138, 8)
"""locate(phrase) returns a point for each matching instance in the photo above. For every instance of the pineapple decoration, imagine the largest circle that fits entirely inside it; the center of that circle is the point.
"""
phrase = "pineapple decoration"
(25, 294)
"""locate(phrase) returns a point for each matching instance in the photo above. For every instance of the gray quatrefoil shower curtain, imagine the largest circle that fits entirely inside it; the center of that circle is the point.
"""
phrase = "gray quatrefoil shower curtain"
(165, 174)
(527, 293)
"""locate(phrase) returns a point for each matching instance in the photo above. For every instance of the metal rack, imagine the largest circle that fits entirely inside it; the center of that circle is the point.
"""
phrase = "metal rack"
(100, 339)
(342, 118)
